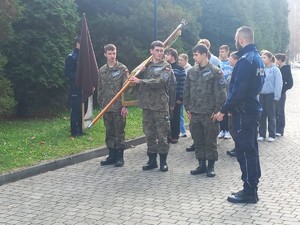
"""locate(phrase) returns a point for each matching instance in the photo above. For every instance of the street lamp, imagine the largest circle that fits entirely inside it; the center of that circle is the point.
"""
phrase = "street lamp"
(155, 23)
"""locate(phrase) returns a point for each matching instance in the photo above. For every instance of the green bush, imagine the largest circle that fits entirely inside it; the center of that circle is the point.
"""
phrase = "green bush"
(7, 100)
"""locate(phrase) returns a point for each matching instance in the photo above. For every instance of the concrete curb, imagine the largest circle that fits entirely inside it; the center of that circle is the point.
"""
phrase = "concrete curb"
(60, 163)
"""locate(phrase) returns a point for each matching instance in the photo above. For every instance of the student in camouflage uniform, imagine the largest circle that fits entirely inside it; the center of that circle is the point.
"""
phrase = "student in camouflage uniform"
(111, 78)
(156, 97)
(204, 94)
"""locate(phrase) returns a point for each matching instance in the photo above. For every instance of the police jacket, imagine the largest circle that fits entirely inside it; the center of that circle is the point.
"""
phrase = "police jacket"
(71, 67)
(110, 82)
(157, 90)
(204, 90)
(246, 83)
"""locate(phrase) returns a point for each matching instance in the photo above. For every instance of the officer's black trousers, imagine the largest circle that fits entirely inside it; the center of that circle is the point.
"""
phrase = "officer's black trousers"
(76, 113)
(245, 137)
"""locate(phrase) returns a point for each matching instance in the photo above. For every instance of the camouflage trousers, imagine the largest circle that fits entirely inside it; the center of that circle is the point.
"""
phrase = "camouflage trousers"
(204, 133)
(156, 125)
(115, 129)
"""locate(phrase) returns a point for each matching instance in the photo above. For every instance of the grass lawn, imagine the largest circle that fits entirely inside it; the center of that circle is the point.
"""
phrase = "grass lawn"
(27, 142)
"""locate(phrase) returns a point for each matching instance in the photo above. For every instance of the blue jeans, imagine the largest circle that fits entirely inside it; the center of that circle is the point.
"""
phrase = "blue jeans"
(182, 127)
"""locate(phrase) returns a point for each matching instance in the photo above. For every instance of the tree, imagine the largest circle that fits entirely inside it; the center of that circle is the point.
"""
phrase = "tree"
(221, 18)
(36, 55)
(10, 11)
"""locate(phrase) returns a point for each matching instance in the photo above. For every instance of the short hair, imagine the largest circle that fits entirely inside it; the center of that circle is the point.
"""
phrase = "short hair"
(201, 48)
(247, 33)
(262, 51)
(77, 40)
(280, 56)
(172, 52)
(184, 56)
(269, 55)
(234, 55)
(225, 47)
(205, 42)
(110, 47)
(157, 43)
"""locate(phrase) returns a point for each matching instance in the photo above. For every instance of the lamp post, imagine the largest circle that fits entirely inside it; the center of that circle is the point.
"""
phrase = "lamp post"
(155, 23)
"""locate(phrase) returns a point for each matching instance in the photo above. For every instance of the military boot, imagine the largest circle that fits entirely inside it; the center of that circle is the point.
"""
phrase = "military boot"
(191, 148)
(211, 168)
(111, 157)
(152, 163)
(163, 162)
(201, 168)
(119, 157)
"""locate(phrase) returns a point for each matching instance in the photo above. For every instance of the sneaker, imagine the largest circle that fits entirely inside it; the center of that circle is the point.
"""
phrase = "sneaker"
(260, 138)
(270, 139)
(182, 135)
(227, 135)
(278, 135)
(221, 134)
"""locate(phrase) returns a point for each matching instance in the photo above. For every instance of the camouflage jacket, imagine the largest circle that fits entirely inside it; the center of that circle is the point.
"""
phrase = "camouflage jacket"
(157, 89)
(204, 90)
(110, 81)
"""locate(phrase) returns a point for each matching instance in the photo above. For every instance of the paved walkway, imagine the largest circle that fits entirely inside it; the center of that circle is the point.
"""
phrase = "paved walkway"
(87, 193)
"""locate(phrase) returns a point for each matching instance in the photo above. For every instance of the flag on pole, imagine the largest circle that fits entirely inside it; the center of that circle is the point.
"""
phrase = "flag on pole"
(87, 69)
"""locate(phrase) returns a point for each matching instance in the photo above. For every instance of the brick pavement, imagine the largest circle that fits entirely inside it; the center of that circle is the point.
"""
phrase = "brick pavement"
(87, 193)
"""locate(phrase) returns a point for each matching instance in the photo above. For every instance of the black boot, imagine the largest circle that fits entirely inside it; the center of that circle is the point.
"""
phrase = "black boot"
(152, 163)
(163, 162)
(201, 168)
(243, 197)
(211, 168)
(191, 148)
(111, 157)
(119, 157)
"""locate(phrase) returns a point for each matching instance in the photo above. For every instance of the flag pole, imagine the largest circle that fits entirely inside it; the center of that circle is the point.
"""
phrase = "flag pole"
(82, 115)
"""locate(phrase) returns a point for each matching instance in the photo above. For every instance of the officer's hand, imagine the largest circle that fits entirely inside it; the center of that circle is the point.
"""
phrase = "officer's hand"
(219, 116)
(189, 115)
(124, 112)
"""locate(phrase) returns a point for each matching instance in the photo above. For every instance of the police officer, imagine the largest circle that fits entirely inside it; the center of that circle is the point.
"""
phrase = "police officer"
(75, 92)
(111, 78)
(245, 85)
(204, 94)
(156, 96)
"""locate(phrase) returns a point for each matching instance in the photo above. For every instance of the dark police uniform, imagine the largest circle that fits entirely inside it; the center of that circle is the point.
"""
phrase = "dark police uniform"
(75, 93)
(245, 85)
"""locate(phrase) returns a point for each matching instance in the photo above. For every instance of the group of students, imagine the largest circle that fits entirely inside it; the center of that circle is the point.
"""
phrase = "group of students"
(273, 95)
(207, 92)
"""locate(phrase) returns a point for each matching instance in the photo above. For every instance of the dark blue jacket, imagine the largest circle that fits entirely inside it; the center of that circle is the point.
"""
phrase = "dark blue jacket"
(71, 67)
(287, 78)
(246, 83)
